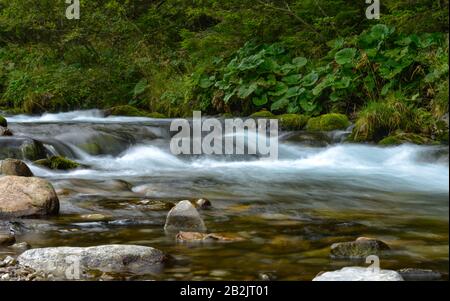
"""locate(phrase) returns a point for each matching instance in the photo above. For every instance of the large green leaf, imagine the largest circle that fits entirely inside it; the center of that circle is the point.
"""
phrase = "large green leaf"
(310, 79)
(280, 104)
(292, 79)
(279, 89)
(345, 56)
(140, 87)
(246, 90)
(260, 101)
(299, 62)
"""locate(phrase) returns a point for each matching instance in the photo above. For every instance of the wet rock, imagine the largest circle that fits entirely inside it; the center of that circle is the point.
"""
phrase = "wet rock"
(267, 277)
(22, 246)
(359, 274)
(21, 196)
(360, 248)
(203, 204)
(5, 132)
(184, 217)
(155, 205)
(7, 239)
(63, 261)
(410, 274)
(21, 148)
(203, 237)
(14, 167)
(95, 217)
(308, 138)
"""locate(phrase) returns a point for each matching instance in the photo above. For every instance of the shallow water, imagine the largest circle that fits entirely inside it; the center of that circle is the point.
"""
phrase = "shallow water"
(288, 211)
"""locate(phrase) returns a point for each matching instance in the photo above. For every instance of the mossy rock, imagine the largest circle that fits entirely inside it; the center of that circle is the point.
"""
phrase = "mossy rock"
(401, 138)
(58, 162)
(33, 150)
(156, 115)
(126, 110)
(444, 138)
(262, 114)
(360, 248)
(227, 115)
(3, 122)
(131, 111)
(292, 122)
(328, 122)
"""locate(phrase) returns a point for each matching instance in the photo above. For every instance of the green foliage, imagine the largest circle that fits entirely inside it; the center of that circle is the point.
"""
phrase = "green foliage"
(234, 57)
(328, 122)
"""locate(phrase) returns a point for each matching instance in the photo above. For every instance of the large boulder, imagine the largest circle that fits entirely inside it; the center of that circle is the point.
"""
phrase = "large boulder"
(22, 196)
(21, 148)
(66, 262)
(14, 167)
(184, 217)
(359, 274)
(360, 248)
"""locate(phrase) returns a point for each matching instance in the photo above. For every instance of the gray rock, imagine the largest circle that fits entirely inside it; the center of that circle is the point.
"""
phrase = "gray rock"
(14, 167)
(184, 217)
(22, 246)
(203, 203)
(360, 248)
(21, 196)
(359, 274)
(21, 148)
(410, 274)
(78, 263)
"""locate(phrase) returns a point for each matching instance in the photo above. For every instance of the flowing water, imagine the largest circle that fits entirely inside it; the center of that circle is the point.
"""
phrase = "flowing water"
(288, 211)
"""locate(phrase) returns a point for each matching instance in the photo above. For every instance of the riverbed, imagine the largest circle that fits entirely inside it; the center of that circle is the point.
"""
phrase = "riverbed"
(289, 211)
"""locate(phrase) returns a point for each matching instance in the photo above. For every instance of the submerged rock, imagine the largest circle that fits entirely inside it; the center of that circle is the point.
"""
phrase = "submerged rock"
(203, 237)
(360, 248)
(22, 196)
(14, 167)
(410, 274)
(359, 274)
(64, 262)
(184, 217)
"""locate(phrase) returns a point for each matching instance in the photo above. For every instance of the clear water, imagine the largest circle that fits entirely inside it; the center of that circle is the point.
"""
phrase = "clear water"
(288, 211)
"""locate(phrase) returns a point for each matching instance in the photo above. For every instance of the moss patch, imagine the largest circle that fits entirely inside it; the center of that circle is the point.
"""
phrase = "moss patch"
(401, 138)
(131, 111)
(292, 122)
(57, 162)
(262, 114)
(328, 122)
